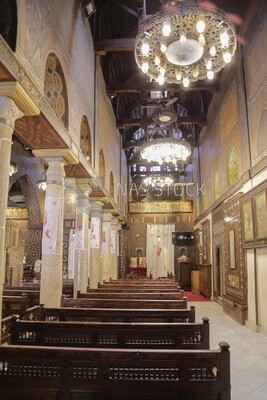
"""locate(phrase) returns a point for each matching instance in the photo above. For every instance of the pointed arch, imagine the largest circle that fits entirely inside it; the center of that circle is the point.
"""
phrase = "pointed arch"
(111, 185)
(55, 88)
(35, 225)
(85, 139)
(232, 166)
(101, 166)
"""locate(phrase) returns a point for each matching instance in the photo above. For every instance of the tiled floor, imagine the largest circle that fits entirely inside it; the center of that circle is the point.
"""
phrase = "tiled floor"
(248, 352)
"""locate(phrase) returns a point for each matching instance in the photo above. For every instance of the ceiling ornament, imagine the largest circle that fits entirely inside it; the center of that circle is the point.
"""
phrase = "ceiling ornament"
(184, 43)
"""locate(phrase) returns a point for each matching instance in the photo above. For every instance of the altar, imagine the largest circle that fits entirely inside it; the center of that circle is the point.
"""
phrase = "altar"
(138, 267)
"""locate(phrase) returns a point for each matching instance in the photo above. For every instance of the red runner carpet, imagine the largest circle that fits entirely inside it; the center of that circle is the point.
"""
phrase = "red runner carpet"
(194, 297)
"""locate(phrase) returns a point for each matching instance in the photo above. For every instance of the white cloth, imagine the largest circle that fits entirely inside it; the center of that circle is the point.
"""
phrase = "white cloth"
(159, 250)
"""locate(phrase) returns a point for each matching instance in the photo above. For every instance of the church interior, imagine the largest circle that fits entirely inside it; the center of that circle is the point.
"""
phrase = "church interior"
(133, 211)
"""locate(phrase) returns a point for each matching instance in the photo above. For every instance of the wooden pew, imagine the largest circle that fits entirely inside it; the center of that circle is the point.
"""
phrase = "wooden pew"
(132, 295)
(35, 286)
(39, 373)
(111, 334)
(123, 303)
(32, 295)
(14, 305)
(116, 289)
(41, 313)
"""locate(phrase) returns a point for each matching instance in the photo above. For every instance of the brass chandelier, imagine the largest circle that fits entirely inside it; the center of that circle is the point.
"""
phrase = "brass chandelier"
(185, 43)
(165, 150)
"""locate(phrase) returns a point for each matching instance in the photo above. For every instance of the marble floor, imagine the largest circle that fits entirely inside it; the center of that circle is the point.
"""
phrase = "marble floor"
(248, 352)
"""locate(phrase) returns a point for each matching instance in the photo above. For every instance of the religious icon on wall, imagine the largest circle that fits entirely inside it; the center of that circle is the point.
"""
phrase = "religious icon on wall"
(261, 215)
(247, 215)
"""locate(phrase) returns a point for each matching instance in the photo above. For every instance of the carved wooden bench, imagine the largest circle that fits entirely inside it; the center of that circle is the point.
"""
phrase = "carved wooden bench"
(41, 313)
(131, 295)
(110, 334)
(39, 373)
(14, 305)
(123, 303)
(32, 295)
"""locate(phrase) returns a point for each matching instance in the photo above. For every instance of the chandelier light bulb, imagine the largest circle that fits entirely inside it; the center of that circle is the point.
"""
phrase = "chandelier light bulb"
(210, 75)
(179, 76)
(202, 39)
(208, 64)
(145, 67)
(227, 57)
(195, 72)
(186, 81)
(157, 60)
(183, 38)
(162, 71)
(224, 38)
(200, 25)
(145, 49)
(161, 79)
(163, 48)
(166, 29)
(213, 50)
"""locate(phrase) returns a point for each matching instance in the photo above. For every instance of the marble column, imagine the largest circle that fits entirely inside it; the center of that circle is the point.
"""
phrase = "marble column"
(95, 244)
(9, 112)
(81, 275)
(106, 269)
(52, 255)
(114, 248)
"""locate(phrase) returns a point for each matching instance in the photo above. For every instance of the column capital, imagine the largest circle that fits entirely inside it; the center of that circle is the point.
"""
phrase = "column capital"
(16, 92)
(9, 111)
(114, 222)
(47, 155)
(107, 216)
(97, 209)
(84, 185)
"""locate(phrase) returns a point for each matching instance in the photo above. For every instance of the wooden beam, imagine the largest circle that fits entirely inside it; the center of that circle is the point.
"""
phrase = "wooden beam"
(138, 87)
(126, 8)
(109, 45)
(121, 123)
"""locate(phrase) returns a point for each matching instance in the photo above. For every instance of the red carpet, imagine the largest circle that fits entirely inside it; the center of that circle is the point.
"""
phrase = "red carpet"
(194, 297)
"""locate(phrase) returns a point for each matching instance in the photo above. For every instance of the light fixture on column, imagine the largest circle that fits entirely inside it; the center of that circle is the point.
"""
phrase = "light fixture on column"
(42, 183)
(185, 43)
(88, 7)
(13, 168)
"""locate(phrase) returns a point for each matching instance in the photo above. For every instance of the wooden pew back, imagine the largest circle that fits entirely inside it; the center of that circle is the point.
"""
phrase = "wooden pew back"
(111, 334)
(123, 303)
(132, 295)
(39, 373)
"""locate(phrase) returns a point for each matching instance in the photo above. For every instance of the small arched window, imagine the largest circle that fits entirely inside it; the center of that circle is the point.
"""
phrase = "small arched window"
(85, 139)
(111, 185)
(55, 88)
(101, 166)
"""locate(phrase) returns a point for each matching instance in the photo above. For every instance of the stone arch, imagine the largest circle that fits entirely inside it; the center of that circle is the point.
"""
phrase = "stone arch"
(111, 185)
(232, 166)
(55, 88)
(35, 225)
(217, 186)
(9, 22)
(85, 139)
(262, 133)
(101, 166)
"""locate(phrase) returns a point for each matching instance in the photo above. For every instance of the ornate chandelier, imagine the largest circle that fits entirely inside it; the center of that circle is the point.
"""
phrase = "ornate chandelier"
(166, 150)
(158, 181)
(185, 44)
